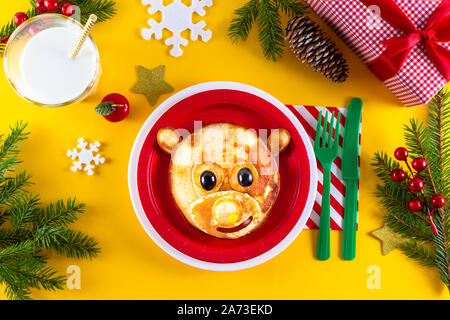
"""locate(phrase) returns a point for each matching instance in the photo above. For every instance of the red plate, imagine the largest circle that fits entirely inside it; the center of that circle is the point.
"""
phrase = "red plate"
(149, 180)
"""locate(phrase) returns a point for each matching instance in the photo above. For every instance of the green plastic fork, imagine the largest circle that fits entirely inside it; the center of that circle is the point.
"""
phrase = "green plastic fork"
(326, 152)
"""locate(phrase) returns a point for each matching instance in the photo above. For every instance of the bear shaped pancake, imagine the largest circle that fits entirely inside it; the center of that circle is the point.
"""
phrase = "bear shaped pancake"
(223, 177)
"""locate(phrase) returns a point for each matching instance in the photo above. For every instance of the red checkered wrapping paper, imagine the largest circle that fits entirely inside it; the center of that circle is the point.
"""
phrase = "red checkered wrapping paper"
(308, 116)
(418, 81)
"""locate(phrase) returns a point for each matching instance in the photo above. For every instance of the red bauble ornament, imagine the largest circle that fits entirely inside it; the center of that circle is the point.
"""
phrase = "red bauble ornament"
(419, 164)
(398, 175)
(40, 6)
(20, 18)
(416, 185)
(437, 201)
(51, 5)
(122, 111)
(415, 205)
(68, 9)
(401, 154)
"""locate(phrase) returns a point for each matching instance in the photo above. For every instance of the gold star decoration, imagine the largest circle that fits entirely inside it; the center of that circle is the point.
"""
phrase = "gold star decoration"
(151, 83)
(389, 239)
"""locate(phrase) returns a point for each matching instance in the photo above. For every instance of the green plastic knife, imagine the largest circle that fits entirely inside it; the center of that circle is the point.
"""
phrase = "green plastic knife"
(350, 174)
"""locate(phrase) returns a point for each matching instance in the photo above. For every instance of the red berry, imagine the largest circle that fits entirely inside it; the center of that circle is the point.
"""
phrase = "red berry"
(121, 112)
(5, 39)
(401, 154)
(398, 175)
(419, 164)
(437, 201)
(416, 185)
(40, 6)
(68, 9)
(20, 18)
(51, 5)
(415, 205)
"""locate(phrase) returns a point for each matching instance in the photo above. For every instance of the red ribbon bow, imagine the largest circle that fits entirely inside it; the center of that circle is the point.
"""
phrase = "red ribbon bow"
(437, 30)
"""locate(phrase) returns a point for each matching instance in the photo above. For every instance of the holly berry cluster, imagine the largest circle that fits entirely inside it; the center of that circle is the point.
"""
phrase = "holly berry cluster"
(45, 6)
(416, 186)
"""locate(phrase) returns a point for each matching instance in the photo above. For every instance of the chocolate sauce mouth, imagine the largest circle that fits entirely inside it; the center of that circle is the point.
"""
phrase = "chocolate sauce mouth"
(237, 228)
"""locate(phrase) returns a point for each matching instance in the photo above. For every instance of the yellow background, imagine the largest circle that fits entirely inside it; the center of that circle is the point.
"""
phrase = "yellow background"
(131, 266)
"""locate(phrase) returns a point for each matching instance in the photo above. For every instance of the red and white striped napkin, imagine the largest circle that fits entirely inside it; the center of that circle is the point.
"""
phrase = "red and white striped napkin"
(308, 116)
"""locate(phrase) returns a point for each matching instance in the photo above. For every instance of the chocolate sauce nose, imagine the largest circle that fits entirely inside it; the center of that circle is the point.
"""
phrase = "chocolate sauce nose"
(245, 177)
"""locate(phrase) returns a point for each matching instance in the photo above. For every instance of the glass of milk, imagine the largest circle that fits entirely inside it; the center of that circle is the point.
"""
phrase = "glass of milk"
(38, 65)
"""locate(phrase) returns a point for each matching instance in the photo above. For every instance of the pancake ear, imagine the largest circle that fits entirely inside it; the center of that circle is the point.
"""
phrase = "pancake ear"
(167, 139)
(278, 141)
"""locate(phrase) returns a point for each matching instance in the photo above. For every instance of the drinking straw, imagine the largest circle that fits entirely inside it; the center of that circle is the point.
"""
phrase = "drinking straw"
(86, 30)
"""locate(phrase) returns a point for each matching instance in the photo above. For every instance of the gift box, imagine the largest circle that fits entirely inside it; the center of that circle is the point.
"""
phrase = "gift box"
(405, 43)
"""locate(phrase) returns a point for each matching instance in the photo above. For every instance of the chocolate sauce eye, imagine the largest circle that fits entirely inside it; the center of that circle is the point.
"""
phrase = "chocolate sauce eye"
(208, 180)
(245, 177)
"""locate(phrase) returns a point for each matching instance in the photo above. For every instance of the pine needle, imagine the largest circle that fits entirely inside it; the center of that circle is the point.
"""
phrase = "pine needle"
(271, 36)
(432, 142)
(28, 231)
(266, 14)
(241, 25)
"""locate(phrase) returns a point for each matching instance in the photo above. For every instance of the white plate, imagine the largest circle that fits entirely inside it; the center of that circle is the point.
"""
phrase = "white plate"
(134, 194)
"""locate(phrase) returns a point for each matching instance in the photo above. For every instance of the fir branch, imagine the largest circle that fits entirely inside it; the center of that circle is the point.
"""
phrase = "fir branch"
(383, 165)
(291, 7)
(439, 140)
(431, 142)
(103, 9)
(241, 25)
(21, 268)
(76, 245)
(416, 137)
(271, 36)
(419, 252)
(23, 210)
(13, 187)
(394, 197)
(407, 228)
(32, 230)
(10, 148)
(441, 245)
(59, 214)
(268, 19)
(10, 237)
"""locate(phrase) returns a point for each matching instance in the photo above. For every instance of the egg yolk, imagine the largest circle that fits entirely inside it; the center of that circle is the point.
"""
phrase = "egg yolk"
(227, 211)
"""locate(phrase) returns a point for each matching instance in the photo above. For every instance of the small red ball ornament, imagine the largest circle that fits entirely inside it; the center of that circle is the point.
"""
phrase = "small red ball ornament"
(68, 9)
(20, 18)
(401, 154)
(437, 201)
(416, 185)
(40, 6)
(51, 5)
(121, 109)
(398, 175)
(415, 205)
(419, 164)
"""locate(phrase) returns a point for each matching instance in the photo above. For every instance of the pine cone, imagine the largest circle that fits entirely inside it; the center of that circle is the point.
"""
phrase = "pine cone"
(312, 46)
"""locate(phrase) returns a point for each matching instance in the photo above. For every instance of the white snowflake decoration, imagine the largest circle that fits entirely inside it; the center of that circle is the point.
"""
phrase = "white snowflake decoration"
(177, 17)
(85, 156)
